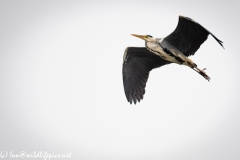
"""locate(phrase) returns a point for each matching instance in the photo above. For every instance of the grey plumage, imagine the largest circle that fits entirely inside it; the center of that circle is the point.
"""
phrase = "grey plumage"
(184, 41)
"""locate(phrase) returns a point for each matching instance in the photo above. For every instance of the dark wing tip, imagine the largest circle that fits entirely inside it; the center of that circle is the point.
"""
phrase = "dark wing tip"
(218, 40)
(134, 98)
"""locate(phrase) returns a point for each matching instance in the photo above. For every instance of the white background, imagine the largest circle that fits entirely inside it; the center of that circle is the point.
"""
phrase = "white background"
(61, 85)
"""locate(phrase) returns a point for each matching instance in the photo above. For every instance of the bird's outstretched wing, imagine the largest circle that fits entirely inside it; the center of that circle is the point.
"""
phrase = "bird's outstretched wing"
(137, 63)
(188, 36)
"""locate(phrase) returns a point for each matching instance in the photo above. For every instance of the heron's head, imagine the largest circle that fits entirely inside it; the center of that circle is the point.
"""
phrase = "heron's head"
(146, 38)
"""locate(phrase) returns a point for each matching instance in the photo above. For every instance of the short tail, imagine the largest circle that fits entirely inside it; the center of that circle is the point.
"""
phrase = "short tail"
(201, 72)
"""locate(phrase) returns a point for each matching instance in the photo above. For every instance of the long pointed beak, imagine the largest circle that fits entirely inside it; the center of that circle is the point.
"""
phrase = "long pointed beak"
(139, 36)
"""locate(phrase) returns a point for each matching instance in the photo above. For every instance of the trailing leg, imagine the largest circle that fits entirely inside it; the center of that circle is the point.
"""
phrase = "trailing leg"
(202, 72)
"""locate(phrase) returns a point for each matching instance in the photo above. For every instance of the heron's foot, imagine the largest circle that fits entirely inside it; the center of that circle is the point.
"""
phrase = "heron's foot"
(203, 73)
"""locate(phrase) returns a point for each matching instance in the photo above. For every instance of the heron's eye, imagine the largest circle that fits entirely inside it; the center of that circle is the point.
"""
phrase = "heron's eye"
(149, 36)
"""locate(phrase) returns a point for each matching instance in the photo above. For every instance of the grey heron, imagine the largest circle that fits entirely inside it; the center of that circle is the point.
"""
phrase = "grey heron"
(184, 41)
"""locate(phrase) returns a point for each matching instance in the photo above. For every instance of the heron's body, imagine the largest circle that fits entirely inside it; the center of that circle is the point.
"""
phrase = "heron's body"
(175, 56)
(184, 41)
(155, 48)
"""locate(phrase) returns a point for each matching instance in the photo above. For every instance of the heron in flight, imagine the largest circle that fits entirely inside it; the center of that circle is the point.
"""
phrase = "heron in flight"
(184, 41)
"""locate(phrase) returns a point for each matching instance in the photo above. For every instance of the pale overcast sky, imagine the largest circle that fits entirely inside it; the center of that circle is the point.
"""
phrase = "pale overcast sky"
(61, 81)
